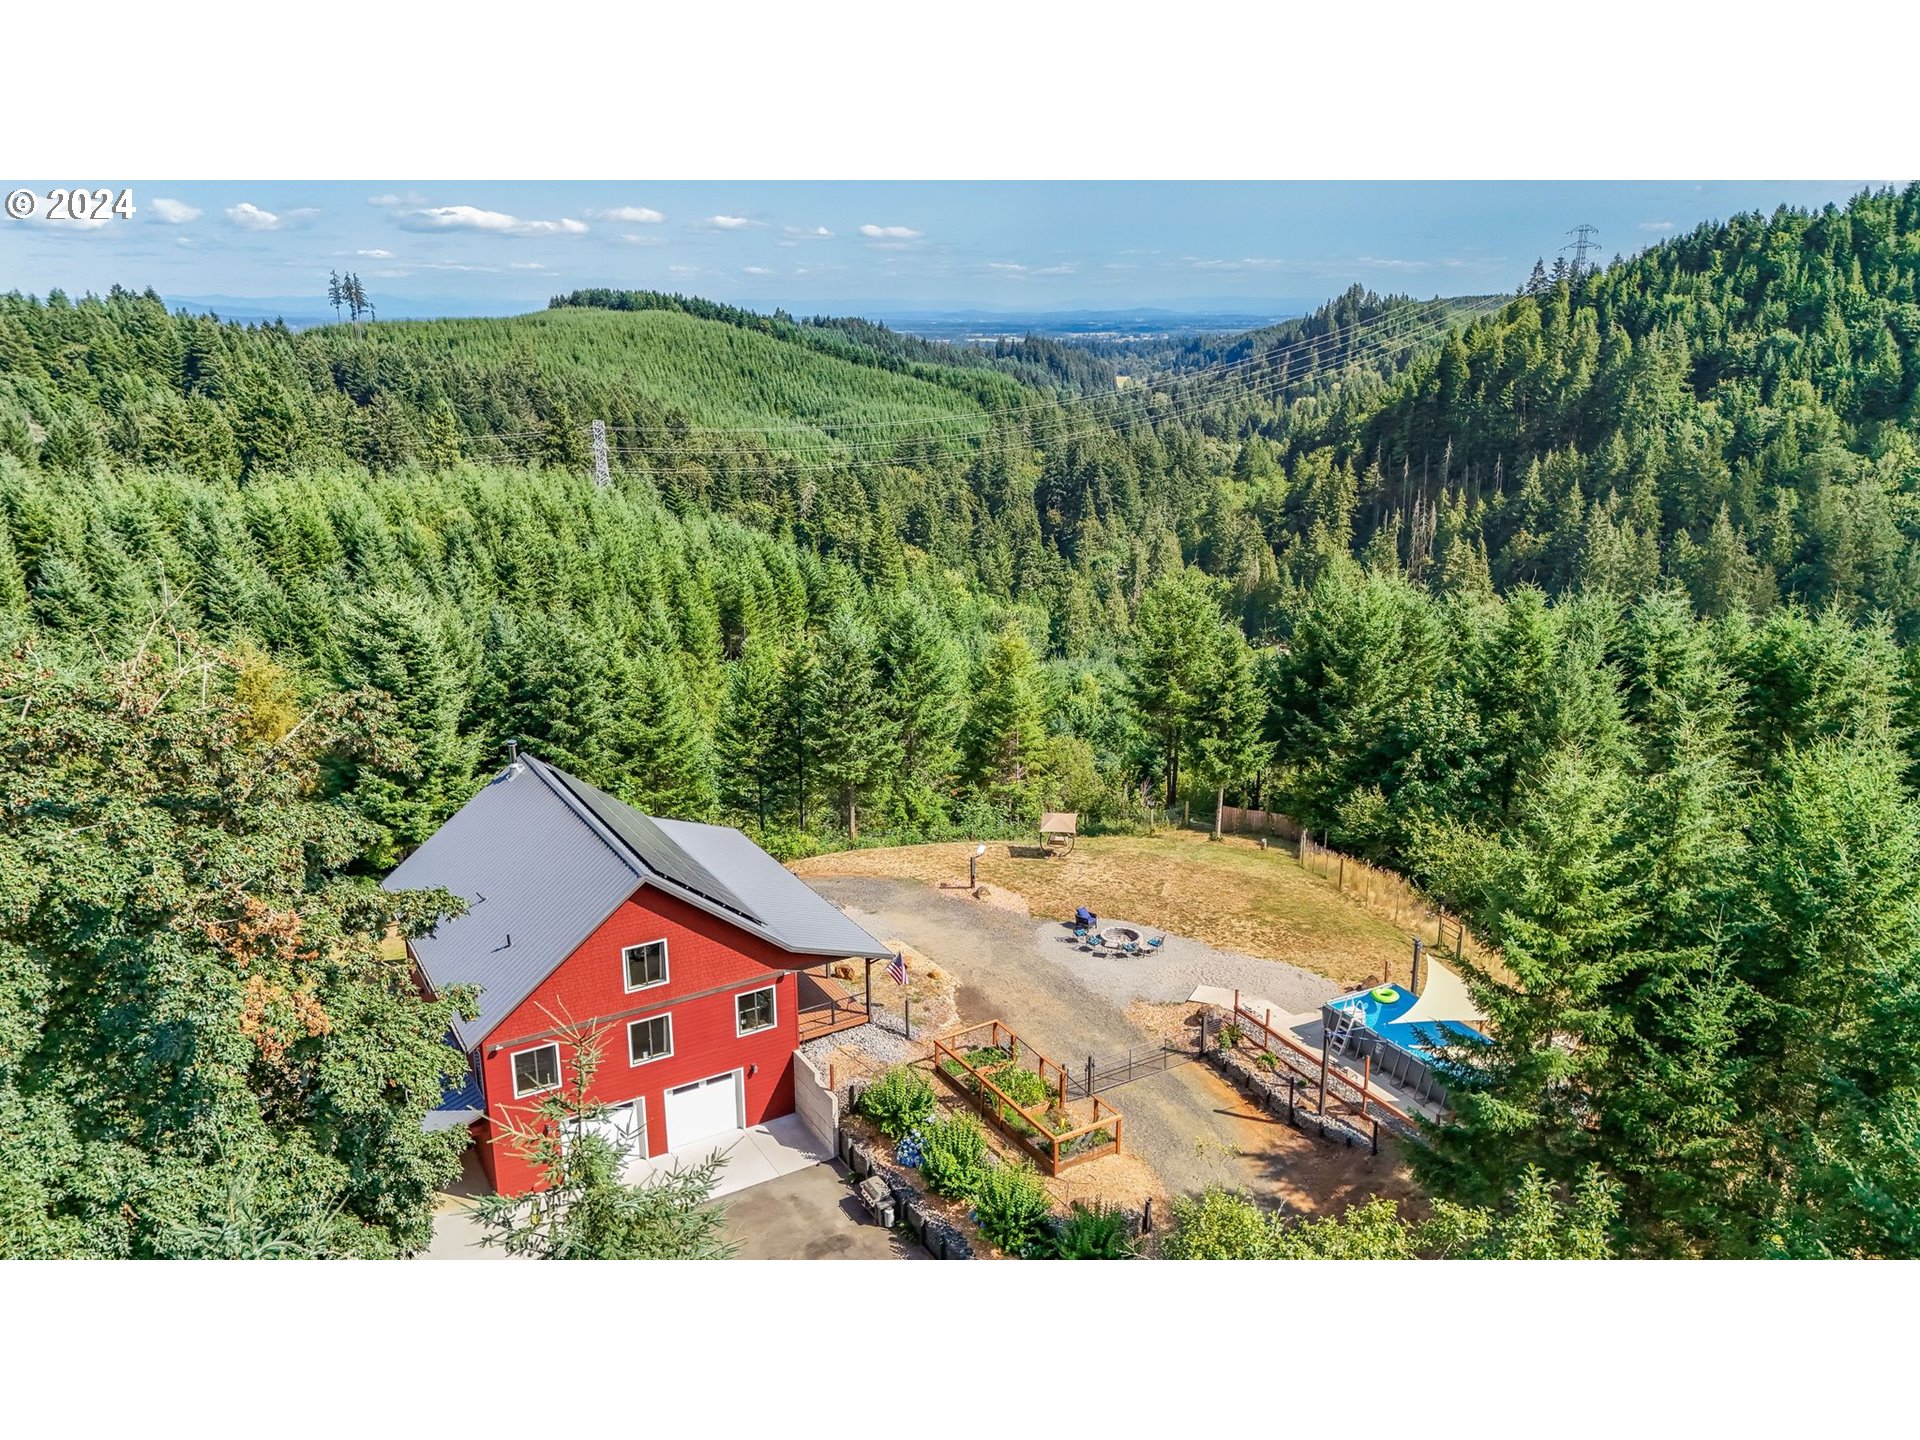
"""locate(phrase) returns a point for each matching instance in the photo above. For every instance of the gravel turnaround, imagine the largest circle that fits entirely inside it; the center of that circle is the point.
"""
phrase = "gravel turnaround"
(1171, 973)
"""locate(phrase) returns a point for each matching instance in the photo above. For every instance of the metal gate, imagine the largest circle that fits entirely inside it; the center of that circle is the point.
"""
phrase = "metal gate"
(1105, 1072)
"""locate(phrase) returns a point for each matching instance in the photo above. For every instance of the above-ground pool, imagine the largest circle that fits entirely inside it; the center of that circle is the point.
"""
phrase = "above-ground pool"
(1400, 1050)
(1383, 1019)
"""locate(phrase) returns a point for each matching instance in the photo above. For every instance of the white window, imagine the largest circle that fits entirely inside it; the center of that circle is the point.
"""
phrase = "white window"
(536, 1070)
(753, 1011)
(649, 1039)
(646, 965)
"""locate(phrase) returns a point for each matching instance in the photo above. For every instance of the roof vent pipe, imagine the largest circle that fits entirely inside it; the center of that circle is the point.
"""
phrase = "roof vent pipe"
(513, 752)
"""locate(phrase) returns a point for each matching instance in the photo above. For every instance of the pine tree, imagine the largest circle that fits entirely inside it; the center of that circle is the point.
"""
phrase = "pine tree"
(920, 677)
(395, 645)
(848, 729)
(1233, 747)
(1171, 667)
(1003, 742)
(1554, 896)
(746, 743)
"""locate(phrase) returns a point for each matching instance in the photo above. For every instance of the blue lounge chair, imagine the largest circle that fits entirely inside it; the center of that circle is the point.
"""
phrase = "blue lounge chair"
(1156, 942)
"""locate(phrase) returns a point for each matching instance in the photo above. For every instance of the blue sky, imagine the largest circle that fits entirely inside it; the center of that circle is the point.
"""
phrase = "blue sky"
(502, 246)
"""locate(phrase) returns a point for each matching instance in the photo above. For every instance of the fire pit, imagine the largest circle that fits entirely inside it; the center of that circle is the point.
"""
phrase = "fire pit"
(1120, 934)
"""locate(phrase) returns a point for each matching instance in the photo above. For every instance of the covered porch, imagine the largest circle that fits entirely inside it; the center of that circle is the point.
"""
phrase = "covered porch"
(830, 1002)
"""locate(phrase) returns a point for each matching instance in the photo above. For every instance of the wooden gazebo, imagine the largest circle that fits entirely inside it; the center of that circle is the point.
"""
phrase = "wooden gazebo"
(1059, 828)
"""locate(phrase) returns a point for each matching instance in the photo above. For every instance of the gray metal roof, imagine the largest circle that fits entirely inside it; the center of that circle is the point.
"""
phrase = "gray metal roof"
(791, 913)
(542, 858)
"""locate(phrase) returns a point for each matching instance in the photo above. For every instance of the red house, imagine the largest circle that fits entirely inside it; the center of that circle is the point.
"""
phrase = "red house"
(697, 959)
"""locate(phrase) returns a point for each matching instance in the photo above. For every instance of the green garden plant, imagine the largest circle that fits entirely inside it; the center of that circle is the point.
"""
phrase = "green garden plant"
(897, 1101)
(1096, 1231)
(953, 1156)
(1010, 1206)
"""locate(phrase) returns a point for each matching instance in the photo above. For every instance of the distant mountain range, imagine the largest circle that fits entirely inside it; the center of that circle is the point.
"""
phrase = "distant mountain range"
(965, 326)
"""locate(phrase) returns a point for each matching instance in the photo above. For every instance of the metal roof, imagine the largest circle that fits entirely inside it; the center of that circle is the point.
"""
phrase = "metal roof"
(461, 1103)
(543, 858)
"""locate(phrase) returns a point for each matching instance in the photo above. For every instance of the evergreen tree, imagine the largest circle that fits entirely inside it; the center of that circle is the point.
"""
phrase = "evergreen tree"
(849, 731)
(746, 744)
(1003, 742)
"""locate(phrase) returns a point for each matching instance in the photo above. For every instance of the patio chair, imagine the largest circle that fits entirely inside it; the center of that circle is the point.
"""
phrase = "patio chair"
(1131, 948)
(1156, 942)
(1097, 941)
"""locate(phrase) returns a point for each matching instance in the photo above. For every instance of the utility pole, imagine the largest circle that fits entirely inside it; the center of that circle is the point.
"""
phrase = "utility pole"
(1583, 241)
(601, 476)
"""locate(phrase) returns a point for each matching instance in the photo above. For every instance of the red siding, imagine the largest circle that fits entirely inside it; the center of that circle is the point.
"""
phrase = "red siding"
(703, 954)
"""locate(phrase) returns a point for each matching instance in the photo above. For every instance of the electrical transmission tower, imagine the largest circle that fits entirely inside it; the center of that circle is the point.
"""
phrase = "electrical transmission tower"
(601, 477)
(1584, 240)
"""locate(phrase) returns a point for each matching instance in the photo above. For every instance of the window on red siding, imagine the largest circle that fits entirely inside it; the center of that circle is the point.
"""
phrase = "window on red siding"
(646, 964)
(650, 1039)
(536, 1070)
(753, 1011)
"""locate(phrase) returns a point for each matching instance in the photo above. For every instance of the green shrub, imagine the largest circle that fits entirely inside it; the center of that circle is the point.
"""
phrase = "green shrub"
(1010, 1206)
(986, 1057)
(1093, 1232)
(1220, 1225)
(953, 1156)
(1229, 1036)
(1269, 1061)
(1020, 1085)
(897, 1101)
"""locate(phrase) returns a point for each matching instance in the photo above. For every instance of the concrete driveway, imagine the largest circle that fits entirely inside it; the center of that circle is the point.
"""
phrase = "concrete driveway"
(811, 1214)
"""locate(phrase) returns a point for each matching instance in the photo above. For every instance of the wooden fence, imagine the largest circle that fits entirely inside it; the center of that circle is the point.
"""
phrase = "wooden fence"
(1364, 1098)
(1386, 893)
(1242, 821)
(1056, 1149)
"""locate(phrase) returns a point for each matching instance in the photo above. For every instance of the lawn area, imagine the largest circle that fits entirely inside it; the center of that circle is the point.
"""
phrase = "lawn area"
(1231, 894)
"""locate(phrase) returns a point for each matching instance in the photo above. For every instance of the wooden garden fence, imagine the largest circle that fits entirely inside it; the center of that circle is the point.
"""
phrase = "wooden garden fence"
(1056, 1150)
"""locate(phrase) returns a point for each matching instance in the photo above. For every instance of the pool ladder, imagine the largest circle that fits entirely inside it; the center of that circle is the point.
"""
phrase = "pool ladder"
(1343, 1032)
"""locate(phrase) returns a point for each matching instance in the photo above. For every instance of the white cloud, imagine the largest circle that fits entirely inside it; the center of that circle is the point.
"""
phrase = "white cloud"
(730, 222)
(525, 265)
(1656, 225)
(809, 232)
(390, 201)
(1005, 265)
(488, 222)
(173, 212)
(755, 270)
(629, 214)
(374, 254)
(890, 232)
(1250, 262)
(643, 239)
(249, 216)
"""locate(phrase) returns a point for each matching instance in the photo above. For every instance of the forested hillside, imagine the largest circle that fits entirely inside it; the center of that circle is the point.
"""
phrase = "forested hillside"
(1592, 608)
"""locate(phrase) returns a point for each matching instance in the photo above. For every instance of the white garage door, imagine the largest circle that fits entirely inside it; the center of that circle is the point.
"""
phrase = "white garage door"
(623, 1127)
(706, 1107)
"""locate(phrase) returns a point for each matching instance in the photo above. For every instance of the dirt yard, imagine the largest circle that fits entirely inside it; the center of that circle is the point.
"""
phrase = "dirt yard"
(1230, 894)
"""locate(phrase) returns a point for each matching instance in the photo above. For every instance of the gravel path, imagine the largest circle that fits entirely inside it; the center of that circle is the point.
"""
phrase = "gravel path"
(1182, 1121)
(1171, 973)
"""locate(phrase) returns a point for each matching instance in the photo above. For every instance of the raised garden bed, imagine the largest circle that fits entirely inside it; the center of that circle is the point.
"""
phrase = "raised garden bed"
(1025, 1096)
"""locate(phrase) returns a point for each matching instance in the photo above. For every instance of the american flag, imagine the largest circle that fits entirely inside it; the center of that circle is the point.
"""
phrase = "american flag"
(897, 968)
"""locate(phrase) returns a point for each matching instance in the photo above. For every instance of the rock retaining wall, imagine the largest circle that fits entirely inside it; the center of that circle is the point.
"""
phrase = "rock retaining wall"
(937, 1235)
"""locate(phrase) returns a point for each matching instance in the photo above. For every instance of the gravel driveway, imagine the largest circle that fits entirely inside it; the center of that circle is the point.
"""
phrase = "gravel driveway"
(1072, 1005)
